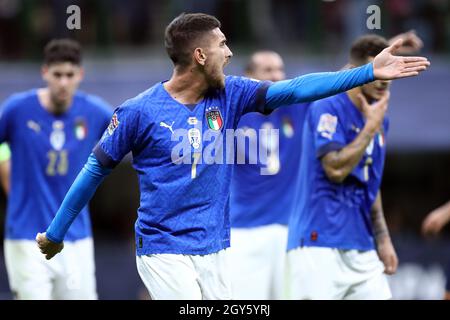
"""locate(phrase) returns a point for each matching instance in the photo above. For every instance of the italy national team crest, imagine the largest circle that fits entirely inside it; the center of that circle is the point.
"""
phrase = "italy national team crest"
(214, 118)
(80, 129)
(288, 128)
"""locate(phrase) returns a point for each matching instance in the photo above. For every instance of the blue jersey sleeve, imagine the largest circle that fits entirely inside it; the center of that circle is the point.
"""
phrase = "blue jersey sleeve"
(119, 137)
(316, 86)
(6, 117)
(76, 198)
(328, 130)
(251, 93)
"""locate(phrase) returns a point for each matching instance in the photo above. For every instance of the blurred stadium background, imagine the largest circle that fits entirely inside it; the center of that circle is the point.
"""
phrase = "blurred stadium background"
(124, 54)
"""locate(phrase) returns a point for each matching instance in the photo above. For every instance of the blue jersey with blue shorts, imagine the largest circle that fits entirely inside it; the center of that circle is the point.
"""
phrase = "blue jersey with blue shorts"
(262, 193)
(47, 151)
(183, 163)
(336, 215)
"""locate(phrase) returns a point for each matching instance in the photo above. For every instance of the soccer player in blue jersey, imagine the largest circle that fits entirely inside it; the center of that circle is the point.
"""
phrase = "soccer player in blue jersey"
(339, 245)
(261, 199)
(51, 131)
(174, 132)
(261, 193)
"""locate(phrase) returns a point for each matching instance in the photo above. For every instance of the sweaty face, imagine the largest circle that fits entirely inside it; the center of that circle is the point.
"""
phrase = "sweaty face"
(62, 80)
(218, 55)
(267, 66)
(377, 89)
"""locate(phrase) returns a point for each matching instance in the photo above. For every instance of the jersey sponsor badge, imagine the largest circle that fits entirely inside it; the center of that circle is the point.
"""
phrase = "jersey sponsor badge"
(214, 118)
(194, 137)
(327, 125)
(113, 124)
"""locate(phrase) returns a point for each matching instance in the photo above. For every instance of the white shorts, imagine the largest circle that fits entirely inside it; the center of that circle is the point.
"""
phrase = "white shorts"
(68, 275)
(257, 262)
(328, 274)
(185, 277)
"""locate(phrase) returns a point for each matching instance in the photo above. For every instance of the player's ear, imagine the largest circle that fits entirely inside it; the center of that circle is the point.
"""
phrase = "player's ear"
(44, 72)
(200, 56)
(81, 73)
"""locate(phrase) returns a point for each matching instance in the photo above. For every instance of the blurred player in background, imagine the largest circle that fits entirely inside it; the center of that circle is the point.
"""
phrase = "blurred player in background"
(338, 243)
(173, 129)
(5, 166)
(436, 220)
(260, 201)
(51, 131)
(432, 225)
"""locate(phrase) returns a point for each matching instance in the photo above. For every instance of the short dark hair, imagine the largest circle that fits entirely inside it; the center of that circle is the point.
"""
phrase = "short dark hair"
(62, 50)
(183, 34)
(366, 46)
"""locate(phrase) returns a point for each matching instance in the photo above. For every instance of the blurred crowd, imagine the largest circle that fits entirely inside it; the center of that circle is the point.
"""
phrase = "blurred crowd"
(315, 26)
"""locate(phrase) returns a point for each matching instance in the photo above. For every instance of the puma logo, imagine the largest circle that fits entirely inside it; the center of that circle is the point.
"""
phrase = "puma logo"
(33, 126)
(165, 125)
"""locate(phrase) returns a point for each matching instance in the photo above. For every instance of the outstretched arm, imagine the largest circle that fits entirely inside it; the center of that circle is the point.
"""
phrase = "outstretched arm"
(310, 87)
(76, 198)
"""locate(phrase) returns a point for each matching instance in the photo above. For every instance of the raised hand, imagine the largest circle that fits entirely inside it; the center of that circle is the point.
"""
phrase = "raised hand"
(374, 113)
(386, 66)
(47, 247)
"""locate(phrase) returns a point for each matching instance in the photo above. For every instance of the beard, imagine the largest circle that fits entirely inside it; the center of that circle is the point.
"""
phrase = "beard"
(215, 78)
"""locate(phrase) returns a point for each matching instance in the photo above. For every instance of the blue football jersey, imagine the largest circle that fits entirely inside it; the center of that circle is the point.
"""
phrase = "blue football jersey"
(183, 163)
(328, 214)
(47, 153)
(262, 193)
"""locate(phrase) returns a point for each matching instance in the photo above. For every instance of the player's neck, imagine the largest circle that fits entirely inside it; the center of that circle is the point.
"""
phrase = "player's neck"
(49, 104)
(353, 96)
(186, 86)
